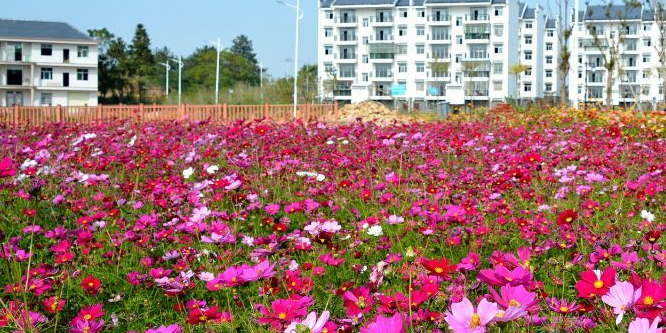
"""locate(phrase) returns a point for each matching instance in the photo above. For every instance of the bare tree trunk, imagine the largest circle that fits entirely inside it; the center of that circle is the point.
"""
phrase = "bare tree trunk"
(609, 90)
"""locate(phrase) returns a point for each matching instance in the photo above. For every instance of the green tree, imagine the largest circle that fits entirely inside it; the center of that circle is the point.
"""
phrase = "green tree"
(164, 55)
(118, 69)
(517, 69)
(307, 84)
(242, 46)
(142, 61)
(104, 69)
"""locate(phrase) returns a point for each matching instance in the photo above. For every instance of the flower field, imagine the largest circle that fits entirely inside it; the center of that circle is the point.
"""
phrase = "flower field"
(542, 222)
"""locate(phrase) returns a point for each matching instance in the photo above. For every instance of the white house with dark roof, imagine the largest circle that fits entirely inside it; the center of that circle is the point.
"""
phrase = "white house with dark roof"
(393, 50)
(46, 63)
(637, 78)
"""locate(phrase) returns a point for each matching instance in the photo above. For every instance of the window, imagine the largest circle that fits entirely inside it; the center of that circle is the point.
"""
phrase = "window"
(366, 22)
(420, 86)
(551, 33)
(420, 49)
(402, 31)
(528, 40)
(528, 72)
(420, 67)
(403, 12)
(497, 86)
(647, 42)
(528, 55)
(646, 58)
(46, 99)
(498, 68)
(366, 40)
(402, 67)
(498, 11)
(549, 87)
(458, 21)
(47, 49)
(329, 15)
(47, 74)
(499, 30)
(549, 46)
(549, 59)
(549, 73)
(82, 52)
(527, 87)
(328, 49)
(82, 74)
(646, 27)
(421, 13)
(528, 25)
(459, 39)
(498, 48)
(458, 57)
(420, 30)
(328, 32)
(365, 77)
(365, 58)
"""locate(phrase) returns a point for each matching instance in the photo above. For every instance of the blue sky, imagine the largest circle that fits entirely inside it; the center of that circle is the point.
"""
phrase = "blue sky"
(185, 25)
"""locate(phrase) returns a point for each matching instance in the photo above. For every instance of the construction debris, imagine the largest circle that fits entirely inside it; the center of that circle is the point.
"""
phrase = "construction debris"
(370, 111)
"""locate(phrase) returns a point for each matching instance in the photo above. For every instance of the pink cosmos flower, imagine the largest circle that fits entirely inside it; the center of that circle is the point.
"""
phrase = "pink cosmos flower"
(87, 326)
(262, 270)
(518, 297)
(621, 297)
(463, 318)
(174, 328)
(310, 324)
(642, 325)
(500, 276)
(284, 311)
(6, 168)
(395, 324)
(357, 301)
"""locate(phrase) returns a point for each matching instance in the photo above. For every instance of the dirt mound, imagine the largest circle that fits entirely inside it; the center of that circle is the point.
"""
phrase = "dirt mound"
(369, 111)
(503, 108)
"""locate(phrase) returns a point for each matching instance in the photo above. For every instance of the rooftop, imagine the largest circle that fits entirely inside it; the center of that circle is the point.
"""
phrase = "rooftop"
(41, 30)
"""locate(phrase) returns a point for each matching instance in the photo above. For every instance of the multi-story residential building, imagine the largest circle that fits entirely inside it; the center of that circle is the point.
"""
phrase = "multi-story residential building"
(46, 63)
(551, 59)
(419, 51)
(531, 50)
(636, 80)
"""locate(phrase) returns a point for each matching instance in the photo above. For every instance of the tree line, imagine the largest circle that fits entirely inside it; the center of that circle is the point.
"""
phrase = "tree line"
(133, 72)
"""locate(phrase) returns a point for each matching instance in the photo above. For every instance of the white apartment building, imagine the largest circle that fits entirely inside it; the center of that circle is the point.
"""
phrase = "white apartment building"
(422, 51)
(46, 63)
(637, 79)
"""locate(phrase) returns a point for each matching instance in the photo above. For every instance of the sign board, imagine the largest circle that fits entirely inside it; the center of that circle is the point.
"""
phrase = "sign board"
(398, 89)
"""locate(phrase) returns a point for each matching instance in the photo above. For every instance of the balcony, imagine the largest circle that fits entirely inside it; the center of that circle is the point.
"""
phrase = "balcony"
(476, 93)
(381, 38)
(440, 20)
(349, 20)
(382, 20)
(477, 37)
(11, 58)
(347, 75)
(476, 18)
(441, 56)
(477, 56)
(383, 75)
(346, 39)
(347, 58)
(440, 38)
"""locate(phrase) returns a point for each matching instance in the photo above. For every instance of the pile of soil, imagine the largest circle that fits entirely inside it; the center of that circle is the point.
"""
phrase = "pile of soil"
(369, 111)
(503, 108)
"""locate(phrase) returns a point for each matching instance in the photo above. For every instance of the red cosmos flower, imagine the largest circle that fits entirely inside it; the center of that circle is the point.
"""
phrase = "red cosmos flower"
(89, 313)
(198, 315)
(91, 285)
(592, 285)
(6, 168)
(439, 267)
(261, 129)
(53, 304)
(567, 217)
(652, 236)
(652, 299)
(532, 158)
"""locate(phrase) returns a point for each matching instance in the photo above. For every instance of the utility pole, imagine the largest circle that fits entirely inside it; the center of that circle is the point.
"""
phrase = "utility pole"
(167, 67)
(299, 16)
(218, 48)
(261, 81)
(179, 61)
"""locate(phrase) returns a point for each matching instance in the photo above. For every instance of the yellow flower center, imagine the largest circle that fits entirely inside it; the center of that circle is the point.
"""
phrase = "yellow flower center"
(87, 317)
(282, 315)
(598, 284)
(203, 318)
(564, 309)
(233, 279)
(513, 302)
(500, 314)
(438, 270)
(569, 219)
(648, 300)
(476, 321)
(361, 302)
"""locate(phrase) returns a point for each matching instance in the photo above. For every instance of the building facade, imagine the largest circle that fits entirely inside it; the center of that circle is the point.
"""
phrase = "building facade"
(46, 64)
(637, 78)
(423, 51)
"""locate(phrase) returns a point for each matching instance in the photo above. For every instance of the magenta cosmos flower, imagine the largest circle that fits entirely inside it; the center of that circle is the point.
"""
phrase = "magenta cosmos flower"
(463, 318)
(395, 324)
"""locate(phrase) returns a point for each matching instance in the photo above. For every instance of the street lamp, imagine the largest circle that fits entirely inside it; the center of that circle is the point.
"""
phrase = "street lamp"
(586, 80)
(167, 67)
(299, 16)
(218, 48)
(179, 61)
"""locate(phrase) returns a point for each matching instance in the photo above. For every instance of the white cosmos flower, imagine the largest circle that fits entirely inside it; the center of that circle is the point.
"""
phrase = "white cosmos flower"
(375, 230)
(187, 173)
(647, 215)
(212, 169)
(321, 177)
